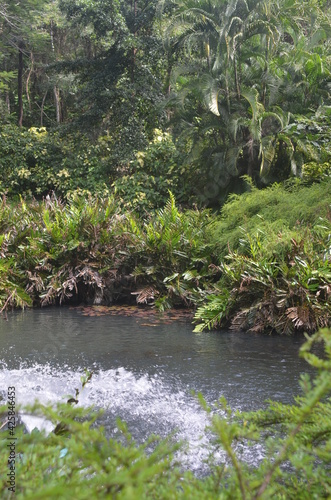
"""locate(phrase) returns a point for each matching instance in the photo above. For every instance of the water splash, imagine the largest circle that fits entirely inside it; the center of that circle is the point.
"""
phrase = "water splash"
(148, 404)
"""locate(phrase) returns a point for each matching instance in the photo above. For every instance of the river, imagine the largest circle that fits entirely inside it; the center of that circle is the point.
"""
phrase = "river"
(145, 373)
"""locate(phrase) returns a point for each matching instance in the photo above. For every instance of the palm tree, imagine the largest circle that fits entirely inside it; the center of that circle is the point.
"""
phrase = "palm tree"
(248, 62)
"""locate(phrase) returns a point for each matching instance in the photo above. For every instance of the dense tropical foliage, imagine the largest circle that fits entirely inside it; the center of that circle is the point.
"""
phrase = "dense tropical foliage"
(267, 269)
(231, 87)
(109, 106)
(171, 153)
(262, 73)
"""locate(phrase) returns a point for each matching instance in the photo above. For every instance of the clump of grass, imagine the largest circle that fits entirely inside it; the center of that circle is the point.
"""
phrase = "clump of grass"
(272, 209)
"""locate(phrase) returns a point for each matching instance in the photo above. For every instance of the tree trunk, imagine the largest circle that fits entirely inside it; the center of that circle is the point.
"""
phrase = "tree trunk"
(57, 104)
(266, 68)
(20, 83)
(28, 81)
(207, 50)
(8, 101)
(56, 91)
(133, 49)
(7, 96)
(236, 77)
(168, 78)
(42, 109)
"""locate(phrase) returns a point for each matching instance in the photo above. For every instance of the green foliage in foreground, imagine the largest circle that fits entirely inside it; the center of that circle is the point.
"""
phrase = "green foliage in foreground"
(78, 461)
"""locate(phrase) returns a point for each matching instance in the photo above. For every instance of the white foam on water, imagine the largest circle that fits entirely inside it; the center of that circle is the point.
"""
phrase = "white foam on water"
(32, 422)
(149, 404)
(153, 404)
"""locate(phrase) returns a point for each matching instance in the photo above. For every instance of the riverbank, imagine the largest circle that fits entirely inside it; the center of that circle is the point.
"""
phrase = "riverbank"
(263, 264)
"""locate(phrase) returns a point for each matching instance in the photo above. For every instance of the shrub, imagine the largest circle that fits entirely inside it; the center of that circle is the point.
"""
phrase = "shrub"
(145, 185)
(35, 162)
(275, 208)
(285, 290)
(275, 259)
(87, 249)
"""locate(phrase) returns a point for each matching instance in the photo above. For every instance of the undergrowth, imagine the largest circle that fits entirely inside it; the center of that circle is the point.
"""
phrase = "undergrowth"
(274, 250)
(291, 206)
(263, 264)
(89, 250)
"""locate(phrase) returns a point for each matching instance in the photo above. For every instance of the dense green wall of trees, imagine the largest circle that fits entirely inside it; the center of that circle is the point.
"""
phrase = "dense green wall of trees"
(241, 86)
(126, 101)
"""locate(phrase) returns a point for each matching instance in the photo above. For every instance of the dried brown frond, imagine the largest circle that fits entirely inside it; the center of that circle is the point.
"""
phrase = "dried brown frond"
(36, 283)
(245, 283)
(145, 295)
(239, 320)
(302, 318)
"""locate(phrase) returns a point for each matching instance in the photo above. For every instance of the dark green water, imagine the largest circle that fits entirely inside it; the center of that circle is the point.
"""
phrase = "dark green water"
(145, 375)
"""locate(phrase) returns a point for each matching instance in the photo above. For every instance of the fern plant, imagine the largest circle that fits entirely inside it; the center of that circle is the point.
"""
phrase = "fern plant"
(284, 292)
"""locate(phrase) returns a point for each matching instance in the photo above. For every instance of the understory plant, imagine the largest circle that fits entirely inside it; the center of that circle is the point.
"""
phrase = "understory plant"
(59, 250)
(173, 253)
(274, 261)
(274, 282)
(144, 184)
(78, 460)
(88, 249)
(262, 265)
(35, 162)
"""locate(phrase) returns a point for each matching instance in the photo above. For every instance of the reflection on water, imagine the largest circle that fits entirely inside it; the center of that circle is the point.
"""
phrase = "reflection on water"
(145, 375)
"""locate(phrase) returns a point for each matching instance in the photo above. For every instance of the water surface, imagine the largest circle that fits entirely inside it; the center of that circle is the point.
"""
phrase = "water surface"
(145, 374)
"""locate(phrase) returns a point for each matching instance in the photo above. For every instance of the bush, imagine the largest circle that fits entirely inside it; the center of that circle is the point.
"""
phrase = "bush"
(275, 259)
(268, 274)
(88, 249)
(290, 206)
(35, 162)
(284, 291)
(145, 185)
